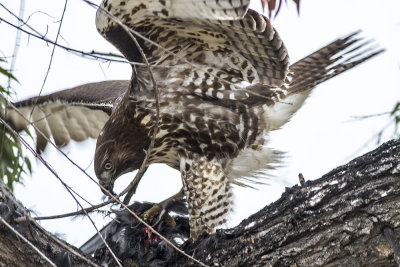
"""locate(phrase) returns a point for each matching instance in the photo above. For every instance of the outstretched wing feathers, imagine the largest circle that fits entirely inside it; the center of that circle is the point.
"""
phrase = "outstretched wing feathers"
(324, 64)
(218, 44)
(72, 114)
(330, 61)
(257, 41)
(80, 113)
(99, 95)
(245, 45)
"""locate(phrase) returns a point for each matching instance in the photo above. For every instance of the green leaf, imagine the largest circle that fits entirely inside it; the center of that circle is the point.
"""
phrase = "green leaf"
(8, 74)
(12, 161)
(28, 164)
(396, 108)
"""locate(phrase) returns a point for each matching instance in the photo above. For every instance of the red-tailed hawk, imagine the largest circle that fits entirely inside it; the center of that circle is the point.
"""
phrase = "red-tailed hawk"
(226, 85)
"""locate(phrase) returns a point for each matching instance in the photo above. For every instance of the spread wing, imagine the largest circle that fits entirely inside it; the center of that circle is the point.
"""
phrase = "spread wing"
(72, 114)
(222, 39)
(224, 51)
(330, 61)
(304, 75)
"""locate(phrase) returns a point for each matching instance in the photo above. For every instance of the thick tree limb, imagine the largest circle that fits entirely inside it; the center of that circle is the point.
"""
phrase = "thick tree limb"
(349, 217)
(15, 251)
(336, 220)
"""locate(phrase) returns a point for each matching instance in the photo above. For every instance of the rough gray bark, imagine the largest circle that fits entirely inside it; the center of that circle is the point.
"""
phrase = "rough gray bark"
(337, 220)
(16, 252)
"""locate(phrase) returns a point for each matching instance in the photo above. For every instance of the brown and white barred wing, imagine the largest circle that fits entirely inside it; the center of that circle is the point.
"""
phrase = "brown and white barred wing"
(75, 114)
(324, 64)
(220, 40)
(329, 61)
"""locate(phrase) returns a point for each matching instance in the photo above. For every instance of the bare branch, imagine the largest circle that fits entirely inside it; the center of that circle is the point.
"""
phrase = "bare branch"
(62, 244)
(148, 152)
(27, 241)
(48, 166)
(52, 55)
(84, 211)
(17, 43)
(71, 50)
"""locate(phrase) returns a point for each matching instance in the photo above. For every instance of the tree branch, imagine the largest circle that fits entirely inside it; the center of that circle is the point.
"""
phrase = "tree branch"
(336, 220)
(348, 217)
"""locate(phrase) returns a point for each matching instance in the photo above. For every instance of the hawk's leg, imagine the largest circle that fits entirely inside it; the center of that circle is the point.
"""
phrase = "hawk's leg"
(178, 195)
(160, 210)
(207, 191)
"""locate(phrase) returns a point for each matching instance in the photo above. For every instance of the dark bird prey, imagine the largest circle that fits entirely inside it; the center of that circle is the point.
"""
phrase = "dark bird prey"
(225, 85)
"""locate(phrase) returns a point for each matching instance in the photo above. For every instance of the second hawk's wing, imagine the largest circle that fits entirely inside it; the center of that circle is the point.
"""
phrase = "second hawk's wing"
(76, 114)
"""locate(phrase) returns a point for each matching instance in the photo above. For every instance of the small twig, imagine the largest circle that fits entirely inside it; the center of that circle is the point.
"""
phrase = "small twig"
(72, 50)
(369, 116)
(394, 243)
(132, 188)
(27, 241)
(365, 144)
(51, 56)
(17, 43)
(89, 55)
(302, 181)
(178, 57)
(79, 212)
(84, 211)
(141, 170)
(143, 166)
(109, 54)
(47, 165)
(23, 23)
(62, 244)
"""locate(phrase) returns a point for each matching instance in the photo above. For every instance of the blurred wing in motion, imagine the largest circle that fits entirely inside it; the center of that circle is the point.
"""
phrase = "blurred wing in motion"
(76, 114)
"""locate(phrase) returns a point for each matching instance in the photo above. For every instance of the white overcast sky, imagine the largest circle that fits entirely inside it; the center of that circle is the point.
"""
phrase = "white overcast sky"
(320, 136)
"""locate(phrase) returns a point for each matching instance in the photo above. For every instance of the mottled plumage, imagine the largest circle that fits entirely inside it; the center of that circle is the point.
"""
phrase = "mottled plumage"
(228, 87)
(225, 87)
(72, 114)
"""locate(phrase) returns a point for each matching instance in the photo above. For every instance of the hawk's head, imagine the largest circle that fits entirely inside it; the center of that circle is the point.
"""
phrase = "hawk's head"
(120, 145)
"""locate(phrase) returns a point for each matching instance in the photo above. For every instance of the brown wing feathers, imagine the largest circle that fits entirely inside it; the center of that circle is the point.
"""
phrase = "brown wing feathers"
(251, 48)
(330, 61)
(72, 114)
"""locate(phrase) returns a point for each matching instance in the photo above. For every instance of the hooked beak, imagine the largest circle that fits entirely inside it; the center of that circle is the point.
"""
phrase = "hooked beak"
(107, 185)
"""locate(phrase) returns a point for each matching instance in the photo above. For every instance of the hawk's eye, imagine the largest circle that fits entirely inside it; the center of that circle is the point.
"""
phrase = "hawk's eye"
(108, 166)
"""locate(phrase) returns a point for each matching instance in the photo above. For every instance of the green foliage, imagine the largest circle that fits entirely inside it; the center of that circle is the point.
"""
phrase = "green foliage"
(395, 114)
(12, 161)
